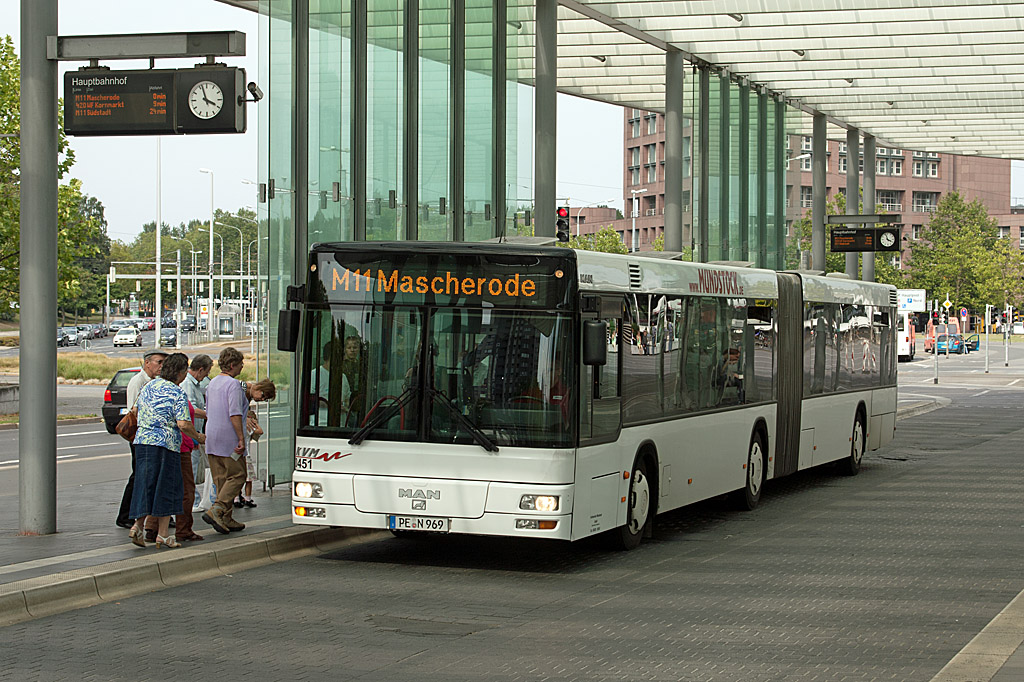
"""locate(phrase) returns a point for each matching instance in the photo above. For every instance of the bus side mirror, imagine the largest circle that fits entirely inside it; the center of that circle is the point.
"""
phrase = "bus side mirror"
(595, 343)
(288, 330)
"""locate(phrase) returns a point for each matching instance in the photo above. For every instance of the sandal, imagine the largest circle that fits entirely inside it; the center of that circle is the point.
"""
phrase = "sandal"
(239, 503)
(250, 503)
(137, 536)
(170, 542)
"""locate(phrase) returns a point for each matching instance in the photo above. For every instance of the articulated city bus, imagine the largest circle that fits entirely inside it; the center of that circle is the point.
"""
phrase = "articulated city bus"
(543, 392)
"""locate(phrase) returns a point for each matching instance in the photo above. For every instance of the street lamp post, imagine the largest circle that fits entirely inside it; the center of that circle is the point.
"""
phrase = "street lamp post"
(635, 246)
(209, 294)
(595, 203)
(192, 252)
(241, 272)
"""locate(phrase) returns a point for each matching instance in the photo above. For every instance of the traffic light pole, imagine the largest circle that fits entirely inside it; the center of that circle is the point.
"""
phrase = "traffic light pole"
(987, 326)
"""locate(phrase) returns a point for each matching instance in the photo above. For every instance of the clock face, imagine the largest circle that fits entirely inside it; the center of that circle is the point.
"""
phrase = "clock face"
(206, 99)
(887, 239)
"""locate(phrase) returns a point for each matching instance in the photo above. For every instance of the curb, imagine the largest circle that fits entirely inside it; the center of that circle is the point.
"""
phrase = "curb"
(49, 595)
(60, 422)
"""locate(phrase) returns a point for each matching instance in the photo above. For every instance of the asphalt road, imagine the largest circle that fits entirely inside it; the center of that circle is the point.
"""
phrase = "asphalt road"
(885, 575)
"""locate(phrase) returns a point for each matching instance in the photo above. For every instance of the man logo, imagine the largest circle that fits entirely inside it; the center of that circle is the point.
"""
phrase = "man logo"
(419, 505)
(419, 494)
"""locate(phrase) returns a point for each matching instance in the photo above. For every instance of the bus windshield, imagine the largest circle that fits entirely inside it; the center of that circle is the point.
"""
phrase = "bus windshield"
(482, 376)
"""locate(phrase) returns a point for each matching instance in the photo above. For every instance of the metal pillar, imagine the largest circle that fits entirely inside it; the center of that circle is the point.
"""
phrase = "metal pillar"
(499, 76)
(300, 144)
(545, 117)
(724, 247)
(818, 160)
(761, 257)
(701, 251)
(159, 270)
(37, 442)
(674, 75)
(779, 186)
(742, 250)
(852, 190)
(411, 132)
(358, 139)
(177, 302)
(868, 257)
(457, 146)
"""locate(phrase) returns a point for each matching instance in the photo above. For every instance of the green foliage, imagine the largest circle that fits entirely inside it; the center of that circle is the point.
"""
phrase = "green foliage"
(955, 255)
(605, 240)
(81, 238)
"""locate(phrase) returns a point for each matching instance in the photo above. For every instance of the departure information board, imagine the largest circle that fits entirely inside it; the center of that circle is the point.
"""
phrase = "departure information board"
(119, 102)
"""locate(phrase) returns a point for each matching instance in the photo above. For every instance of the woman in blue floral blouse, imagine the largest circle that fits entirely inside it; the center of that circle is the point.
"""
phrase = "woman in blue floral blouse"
(163, 417)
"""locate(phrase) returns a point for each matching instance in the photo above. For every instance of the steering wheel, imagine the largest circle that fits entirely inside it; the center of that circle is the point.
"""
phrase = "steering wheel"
(401, 420)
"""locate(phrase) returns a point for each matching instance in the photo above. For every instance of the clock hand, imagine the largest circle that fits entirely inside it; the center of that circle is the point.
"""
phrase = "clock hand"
(203, 88)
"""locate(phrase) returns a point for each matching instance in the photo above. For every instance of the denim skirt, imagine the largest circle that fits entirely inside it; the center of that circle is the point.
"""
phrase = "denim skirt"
(159, 488)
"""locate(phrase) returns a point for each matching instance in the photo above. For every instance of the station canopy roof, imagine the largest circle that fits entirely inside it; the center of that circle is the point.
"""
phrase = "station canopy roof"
(932, 75)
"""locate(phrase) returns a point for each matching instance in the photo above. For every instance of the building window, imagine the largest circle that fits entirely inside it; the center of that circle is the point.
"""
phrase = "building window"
(842, 164)
(806, 194)
(933, 169)
(805, 163)
(888, 200)
(636, 113)
(933, 155)
(1022, 239)
(636, 129)
(635, 154)
(881, 151)
(652, 153)
(919, 169)
(860, 166)
(923, 202)
(897, 167)
(634, 176)
(652, 125)
(915, 232)
(895, 152)
(652, 173)
(1004, 231)
(881, 166)
(806, 144)
(842, 147)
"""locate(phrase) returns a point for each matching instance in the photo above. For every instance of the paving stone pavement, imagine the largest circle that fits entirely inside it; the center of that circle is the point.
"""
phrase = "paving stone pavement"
(882, 576)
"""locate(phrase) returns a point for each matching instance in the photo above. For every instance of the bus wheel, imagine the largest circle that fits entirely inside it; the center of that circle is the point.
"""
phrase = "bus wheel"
(638, 512)
(851, 465)
(749, 496)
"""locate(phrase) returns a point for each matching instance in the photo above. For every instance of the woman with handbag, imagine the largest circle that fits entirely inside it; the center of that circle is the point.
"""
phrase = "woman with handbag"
(163, 418)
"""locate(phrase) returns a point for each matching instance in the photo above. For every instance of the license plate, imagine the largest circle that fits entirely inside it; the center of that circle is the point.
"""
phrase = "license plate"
(426, 523)
(124, 410)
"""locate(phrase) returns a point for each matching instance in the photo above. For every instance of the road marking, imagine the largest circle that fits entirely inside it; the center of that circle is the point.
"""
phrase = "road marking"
(94, 445)
(977, 394)
(80, 433)
(70, 461)
(103, 551)
(1013, 382)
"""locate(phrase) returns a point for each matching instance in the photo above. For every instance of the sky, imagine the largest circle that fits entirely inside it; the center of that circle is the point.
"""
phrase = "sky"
(122, 171)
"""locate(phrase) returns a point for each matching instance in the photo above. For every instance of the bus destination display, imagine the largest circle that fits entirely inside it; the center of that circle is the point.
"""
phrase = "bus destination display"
(119, 103)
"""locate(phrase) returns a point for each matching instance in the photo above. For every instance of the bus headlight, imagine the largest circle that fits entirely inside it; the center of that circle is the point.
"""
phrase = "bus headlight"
(541, 503)
(303, 489)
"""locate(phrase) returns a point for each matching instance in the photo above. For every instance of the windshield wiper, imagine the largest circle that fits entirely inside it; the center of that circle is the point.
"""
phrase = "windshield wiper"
(384, 415)
(478, 435)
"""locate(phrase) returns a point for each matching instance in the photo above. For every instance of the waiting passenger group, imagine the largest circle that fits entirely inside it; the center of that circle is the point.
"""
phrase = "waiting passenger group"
(178, 413)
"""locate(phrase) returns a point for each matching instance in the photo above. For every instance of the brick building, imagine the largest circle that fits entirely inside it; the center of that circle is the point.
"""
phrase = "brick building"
(908, 183)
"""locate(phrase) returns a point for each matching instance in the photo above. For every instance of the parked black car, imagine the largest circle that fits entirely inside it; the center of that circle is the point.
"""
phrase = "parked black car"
(168, 337)
(62, 338)
(188, 324)
(115, 398)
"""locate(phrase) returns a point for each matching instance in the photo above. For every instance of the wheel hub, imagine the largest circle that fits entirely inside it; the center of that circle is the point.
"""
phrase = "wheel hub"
(639, 501)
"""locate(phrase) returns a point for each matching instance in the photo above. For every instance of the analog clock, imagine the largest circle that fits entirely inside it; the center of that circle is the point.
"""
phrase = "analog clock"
(206, 99)
(887, 239)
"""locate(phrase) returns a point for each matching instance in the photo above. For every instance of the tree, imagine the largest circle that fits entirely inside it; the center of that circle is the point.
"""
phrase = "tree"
(954, 254)
(606, 240)
(78, 229)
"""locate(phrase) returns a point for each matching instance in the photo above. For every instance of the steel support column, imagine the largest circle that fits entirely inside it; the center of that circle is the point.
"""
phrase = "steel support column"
(868, 257)
(499, 43)
(457, 141)
(818, 160)
(545, 118)
(411, 137)
(37, 441)
(723, 248)
(761, 257)
(742, 250)
(700, 254)
(357, 142)
(674, 75)
(779, 186)
(852, 190)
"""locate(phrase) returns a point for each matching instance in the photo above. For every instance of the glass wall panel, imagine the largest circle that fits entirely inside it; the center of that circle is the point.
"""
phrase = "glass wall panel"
(330, 121)
(278, 118)
(479, 117)
(716, 170)
(385, 97)
(735, 142)
(434, 118)
(754, 142)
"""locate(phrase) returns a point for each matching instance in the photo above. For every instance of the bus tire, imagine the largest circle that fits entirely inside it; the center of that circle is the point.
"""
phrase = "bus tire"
(851, 465)
(748, 497)
(639, 516)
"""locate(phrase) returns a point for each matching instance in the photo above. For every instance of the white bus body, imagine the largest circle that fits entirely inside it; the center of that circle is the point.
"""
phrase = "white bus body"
(725, 378)
(905, 337)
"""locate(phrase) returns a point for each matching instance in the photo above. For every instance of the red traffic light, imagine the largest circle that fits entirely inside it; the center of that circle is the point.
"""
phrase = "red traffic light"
(563, 212)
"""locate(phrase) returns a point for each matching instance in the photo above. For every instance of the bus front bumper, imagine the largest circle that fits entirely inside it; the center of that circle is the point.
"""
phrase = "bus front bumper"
(501, 514)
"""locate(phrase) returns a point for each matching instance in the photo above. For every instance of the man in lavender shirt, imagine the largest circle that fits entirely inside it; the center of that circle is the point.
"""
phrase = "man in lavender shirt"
(226, 409)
